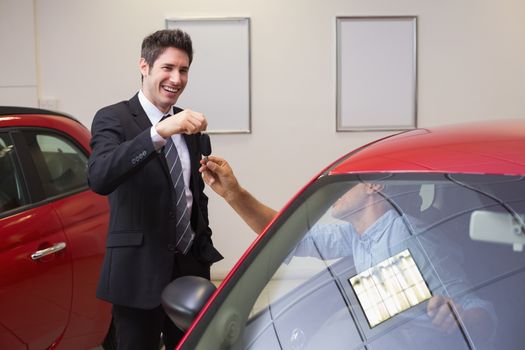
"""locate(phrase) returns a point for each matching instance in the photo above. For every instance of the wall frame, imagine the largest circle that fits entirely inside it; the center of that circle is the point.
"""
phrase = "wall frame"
(219, 83)
(376, 73)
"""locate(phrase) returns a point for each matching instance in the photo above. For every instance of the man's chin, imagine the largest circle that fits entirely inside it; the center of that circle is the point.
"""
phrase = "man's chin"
(340, 215)
(168, 102)
(343, 215)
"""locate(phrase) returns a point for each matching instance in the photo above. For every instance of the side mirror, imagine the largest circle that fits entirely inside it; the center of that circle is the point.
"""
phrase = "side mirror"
(497, 227)
(184, 298)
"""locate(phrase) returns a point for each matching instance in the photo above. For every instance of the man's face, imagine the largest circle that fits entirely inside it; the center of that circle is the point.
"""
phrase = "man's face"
(358, 198)
(350, 202)
(164, 82)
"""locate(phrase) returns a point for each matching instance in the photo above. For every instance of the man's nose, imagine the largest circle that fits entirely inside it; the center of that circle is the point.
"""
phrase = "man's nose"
(175, 77)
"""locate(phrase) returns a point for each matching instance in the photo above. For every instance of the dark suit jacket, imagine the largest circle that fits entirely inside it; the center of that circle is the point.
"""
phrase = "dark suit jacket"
(140, 248)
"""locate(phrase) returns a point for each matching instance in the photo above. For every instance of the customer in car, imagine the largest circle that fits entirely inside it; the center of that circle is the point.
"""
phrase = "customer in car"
(370, 231)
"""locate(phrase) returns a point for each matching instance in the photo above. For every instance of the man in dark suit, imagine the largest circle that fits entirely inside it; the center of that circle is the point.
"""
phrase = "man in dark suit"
(146, 248)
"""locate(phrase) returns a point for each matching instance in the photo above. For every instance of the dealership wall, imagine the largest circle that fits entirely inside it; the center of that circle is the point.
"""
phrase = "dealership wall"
(18, 81)
(77, 56)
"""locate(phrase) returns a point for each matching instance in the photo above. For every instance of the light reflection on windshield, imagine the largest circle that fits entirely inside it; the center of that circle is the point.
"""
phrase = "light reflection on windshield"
(390, 287)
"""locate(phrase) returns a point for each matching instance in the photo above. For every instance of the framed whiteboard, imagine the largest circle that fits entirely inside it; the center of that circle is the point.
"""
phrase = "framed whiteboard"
(219, 81)
(376, 73)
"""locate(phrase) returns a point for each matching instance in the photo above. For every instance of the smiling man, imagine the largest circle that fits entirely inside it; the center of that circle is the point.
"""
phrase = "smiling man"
(145, 158)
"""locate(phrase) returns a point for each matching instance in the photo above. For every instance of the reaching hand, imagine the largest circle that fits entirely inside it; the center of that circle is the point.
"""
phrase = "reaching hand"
(218, 174)
(442, 312)
(185, 122)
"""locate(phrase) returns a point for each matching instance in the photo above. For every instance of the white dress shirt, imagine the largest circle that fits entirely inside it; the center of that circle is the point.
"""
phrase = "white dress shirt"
(154, 116)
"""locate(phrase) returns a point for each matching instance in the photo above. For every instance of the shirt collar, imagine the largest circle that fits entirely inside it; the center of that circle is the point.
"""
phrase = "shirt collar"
(153, 113)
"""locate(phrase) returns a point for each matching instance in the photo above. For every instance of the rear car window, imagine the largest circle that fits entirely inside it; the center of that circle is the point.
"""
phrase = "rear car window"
(61, 165)
(12, 193)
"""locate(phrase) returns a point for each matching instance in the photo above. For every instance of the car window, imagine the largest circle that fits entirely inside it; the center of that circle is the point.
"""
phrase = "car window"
(432, 259)
(12, 193)
(61, 165)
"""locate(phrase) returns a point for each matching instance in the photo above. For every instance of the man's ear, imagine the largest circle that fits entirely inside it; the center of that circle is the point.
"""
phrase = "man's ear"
(144, 66)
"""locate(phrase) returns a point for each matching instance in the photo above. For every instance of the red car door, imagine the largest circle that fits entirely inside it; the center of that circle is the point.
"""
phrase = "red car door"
(35, 292)
(35, 264)
(84, 217)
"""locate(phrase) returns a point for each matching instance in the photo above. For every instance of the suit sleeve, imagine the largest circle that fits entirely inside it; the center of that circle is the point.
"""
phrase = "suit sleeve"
(115, 156)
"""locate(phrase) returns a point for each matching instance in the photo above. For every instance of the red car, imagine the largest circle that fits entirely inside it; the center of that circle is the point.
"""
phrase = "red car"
(414, 241)
(52, 234)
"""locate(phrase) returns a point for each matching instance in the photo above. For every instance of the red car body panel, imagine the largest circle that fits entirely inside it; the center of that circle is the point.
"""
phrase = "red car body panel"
(58, 291)
(483, 147)
(489, 148)
(44, 287)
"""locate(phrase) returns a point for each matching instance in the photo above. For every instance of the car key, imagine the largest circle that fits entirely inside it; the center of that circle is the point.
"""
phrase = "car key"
(205, 146)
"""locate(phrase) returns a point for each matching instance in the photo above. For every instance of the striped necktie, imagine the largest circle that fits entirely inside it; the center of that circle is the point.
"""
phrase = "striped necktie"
(184, 232)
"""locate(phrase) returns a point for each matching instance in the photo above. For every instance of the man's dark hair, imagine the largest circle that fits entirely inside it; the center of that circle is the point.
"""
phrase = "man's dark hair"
(154, 44)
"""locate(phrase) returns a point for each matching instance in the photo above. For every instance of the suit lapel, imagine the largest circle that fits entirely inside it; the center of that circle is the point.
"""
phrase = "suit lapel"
(193, 152)
(139, 114)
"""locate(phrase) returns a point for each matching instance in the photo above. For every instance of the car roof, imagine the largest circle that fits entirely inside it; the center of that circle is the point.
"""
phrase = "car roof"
(11, 116)
(19, 111)
(496, 147)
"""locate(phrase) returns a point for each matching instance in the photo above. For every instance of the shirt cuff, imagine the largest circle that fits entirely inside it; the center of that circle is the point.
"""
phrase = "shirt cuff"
(158, 141)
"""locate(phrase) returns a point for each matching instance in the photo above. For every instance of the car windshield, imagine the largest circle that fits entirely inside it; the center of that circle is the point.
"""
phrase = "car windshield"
(388, 261)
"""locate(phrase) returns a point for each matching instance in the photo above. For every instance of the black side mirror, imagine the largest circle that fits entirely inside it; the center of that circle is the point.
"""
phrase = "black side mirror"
(184, 298)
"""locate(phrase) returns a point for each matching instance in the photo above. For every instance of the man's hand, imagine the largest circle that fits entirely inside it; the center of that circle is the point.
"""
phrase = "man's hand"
(441, 310)
(185, 122)
(218, 174)
(444, 312)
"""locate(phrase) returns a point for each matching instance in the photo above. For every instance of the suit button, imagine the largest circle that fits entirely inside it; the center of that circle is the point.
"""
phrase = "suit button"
(171, 214)
(172, 247)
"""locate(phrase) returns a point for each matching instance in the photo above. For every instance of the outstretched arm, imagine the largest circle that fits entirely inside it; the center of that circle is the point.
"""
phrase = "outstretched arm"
(218, 174)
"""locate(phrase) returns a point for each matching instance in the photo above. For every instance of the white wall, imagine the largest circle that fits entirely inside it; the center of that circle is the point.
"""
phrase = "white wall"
(18, 81)
(470, 56)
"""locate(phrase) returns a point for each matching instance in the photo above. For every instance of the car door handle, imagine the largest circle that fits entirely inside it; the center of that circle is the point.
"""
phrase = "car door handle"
(51, 250)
